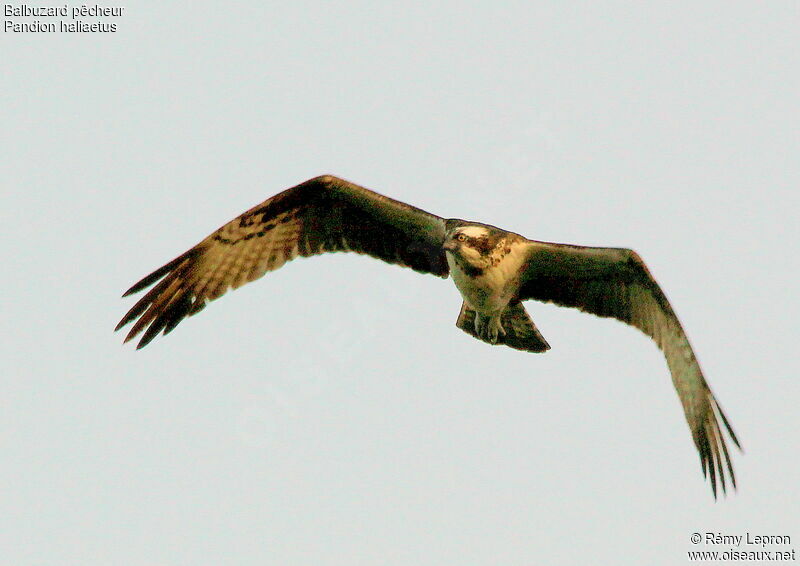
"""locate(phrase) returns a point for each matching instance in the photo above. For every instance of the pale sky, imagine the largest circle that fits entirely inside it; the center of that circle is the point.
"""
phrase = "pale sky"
(331, 413)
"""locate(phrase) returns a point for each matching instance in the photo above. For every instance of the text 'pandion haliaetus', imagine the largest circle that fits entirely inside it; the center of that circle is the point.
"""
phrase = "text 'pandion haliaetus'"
(494, 271)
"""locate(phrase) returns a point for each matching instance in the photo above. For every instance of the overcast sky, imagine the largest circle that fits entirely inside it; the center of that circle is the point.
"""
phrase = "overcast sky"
(331, 413)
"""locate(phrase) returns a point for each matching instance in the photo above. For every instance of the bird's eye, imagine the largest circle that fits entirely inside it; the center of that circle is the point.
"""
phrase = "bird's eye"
(461, 237)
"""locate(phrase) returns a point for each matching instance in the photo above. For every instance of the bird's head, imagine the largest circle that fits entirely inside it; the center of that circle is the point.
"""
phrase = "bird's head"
(472, 244)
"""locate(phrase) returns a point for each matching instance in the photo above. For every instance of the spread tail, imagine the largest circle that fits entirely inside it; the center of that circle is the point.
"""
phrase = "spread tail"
(520, 331)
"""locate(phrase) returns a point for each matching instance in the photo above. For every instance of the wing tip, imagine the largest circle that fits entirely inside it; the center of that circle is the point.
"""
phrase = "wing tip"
(143, 310)
(148, 280)
(715, 458)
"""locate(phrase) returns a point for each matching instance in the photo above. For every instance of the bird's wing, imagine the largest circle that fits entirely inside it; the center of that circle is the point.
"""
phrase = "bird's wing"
(614, 282)
(324, 214)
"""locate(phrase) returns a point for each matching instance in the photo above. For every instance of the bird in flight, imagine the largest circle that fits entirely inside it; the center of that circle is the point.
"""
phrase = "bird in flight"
(494, 270)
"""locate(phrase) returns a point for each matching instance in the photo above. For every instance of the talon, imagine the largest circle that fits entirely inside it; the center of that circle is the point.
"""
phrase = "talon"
(488, 328)
(495, 329)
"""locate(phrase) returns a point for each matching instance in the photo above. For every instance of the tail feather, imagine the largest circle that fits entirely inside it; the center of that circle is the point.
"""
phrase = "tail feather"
(521, 332)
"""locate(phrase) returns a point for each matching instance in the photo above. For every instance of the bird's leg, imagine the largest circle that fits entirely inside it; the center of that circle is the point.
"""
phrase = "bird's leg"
(480, 324)
(495, 328)
(489, 328)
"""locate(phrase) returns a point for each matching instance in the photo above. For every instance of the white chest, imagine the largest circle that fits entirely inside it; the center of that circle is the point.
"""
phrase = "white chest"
(497, 284)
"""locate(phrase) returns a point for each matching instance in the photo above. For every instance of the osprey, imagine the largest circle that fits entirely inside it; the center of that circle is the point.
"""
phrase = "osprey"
(494, 270)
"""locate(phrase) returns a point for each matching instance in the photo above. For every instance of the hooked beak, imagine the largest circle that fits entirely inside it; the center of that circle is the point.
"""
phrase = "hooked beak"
(450, 246)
